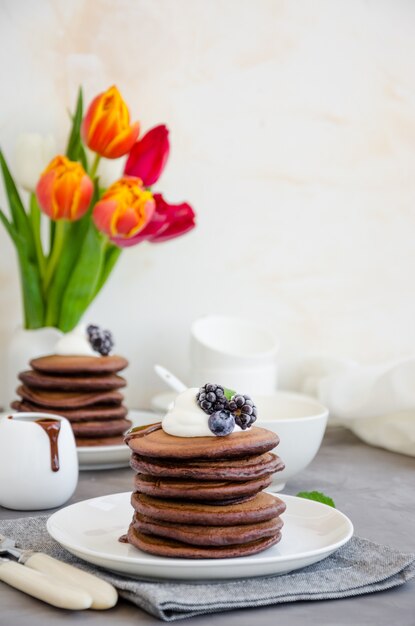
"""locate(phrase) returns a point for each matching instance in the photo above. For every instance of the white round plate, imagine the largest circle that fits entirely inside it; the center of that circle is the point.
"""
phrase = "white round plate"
(113, 457)
(90, 530)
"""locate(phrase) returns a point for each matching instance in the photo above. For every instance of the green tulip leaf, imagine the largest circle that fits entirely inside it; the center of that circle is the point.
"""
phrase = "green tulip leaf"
(74, 238)
(111, 256)
(31, 283)
(75, 149)
(12, 232)
(33, 302)
(83, 280)
(19, 216)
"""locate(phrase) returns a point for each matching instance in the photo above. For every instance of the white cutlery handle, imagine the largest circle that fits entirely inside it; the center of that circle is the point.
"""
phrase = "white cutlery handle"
(43, 587)
(170, 379)
(104, 595)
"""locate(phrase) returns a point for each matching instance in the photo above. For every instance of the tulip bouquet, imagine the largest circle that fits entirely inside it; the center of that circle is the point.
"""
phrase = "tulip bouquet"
(88, 225)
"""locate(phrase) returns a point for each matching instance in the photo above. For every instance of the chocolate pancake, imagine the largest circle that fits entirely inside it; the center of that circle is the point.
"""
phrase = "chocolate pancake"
(99, 412)
(57, 364)
(100, 382)
(170, 548)
(153, 442)
(200, 491)
(69, 399)
(99, 441)
(260, 508)
(239, 470)
(207, 535)
(100, 429)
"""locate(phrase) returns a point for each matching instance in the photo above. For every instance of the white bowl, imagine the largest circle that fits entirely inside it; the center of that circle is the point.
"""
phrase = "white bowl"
(300, 423)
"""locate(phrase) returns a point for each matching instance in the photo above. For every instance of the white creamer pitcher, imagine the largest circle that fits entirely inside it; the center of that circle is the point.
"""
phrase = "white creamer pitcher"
(38, 461)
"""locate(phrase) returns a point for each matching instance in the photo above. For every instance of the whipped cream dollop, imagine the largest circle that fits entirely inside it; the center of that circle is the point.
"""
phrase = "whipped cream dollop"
(185, 418)
(75, 343)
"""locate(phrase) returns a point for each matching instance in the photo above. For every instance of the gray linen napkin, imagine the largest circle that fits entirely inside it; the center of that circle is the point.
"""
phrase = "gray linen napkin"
(358, 567)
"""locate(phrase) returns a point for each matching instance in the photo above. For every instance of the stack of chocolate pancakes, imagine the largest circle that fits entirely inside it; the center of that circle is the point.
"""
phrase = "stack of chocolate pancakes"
(84, 389)
(202, 497)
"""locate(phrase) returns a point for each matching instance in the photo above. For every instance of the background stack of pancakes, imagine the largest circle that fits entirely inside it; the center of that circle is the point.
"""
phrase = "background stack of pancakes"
(202, 497)
(84, 389)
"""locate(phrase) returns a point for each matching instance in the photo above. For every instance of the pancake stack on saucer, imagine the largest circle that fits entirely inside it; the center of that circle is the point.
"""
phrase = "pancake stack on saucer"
(202, 497)
(84, 389)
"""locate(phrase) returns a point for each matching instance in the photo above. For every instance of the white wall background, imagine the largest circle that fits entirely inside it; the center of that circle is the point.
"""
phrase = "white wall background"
(293, 136)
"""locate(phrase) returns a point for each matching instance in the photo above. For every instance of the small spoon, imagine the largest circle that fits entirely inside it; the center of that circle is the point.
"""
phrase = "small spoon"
(169, 378)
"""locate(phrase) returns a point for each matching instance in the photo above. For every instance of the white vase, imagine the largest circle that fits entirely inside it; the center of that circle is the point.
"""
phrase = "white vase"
(25, 345)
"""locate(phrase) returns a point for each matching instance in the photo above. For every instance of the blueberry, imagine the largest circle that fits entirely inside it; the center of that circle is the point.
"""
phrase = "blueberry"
(221, 423)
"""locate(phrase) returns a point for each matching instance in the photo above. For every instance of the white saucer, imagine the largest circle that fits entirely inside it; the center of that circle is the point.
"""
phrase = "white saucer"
(90, 530)
(113, 457)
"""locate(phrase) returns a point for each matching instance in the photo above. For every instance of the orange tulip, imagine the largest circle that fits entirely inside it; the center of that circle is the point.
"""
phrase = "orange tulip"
(106, 126)
(124, 209)
(64, 190)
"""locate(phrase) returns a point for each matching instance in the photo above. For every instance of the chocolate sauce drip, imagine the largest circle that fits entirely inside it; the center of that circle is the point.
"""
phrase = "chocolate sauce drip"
(141, 431)
(123, 539)
(52, 429)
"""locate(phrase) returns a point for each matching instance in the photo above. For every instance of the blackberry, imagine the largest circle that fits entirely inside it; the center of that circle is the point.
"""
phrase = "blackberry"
(92, 329)
(211, 398)
(243, 409)
(101, 340)
(221, 423)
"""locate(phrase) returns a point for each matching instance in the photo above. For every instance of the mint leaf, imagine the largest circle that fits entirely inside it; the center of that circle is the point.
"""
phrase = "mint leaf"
(317, 496)
(229, 393)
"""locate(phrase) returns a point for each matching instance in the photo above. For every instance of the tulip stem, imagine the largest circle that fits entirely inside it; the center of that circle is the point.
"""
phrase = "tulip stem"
(94, 166)
(55, 254)
(35, 218)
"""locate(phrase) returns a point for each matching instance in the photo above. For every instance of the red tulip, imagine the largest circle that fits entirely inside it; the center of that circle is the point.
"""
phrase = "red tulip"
(168, 221)
(64, 191)
(149, 155)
